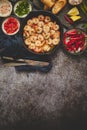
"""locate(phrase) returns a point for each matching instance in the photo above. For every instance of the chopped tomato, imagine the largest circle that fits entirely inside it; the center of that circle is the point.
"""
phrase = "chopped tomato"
(11, 25)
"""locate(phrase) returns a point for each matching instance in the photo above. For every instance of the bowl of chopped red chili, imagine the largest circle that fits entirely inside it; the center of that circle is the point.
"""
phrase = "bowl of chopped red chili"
(11, 25)
(74, 41)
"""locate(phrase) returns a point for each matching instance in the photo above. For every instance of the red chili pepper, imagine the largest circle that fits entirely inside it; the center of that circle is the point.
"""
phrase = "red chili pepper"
(68, 19)
(72, 32)
(76, 40)
(82, 48)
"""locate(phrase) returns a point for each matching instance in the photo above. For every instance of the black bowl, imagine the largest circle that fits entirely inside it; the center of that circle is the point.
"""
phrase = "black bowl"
(53, 18)
(79, 52)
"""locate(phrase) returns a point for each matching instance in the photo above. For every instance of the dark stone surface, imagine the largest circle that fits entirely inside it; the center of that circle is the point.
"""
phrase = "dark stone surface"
(56, 100)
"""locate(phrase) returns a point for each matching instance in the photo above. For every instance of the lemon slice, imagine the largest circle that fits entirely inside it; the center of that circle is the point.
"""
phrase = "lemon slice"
(74, 11)
(75, 18)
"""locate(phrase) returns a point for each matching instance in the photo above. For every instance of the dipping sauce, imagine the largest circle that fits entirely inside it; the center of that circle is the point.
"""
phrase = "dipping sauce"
(10, 26)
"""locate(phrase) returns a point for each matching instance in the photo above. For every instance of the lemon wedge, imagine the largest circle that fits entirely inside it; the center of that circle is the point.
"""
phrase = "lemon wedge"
(75, 18)
(73, 11)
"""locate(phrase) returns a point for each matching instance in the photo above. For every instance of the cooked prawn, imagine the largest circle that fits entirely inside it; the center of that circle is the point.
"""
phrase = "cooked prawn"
(46, 28)
(38, 49)
(31, 31)
(55, 27)
(35, 20)
(40, 23)
(39, 30)
(39, 43)
(33, 38)
(50, 41)
(46, 48)
(40, 37)
(29, 22)
(27, 28)
(27, 41)
(41, 34)
(56, 35)
(26, 34)
(47, 19)
(52, 32)
(41, 17)
(56, 41)
(46, 35)
(31, 46)
(50, 24)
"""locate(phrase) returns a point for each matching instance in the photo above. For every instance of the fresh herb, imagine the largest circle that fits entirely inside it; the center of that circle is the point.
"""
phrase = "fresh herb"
(84, 7)
(22, 8)
(85, 27)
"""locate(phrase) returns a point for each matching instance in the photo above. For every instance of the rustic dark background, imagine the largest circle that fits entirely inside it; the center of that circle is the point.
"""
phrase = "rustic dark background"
(54, 100)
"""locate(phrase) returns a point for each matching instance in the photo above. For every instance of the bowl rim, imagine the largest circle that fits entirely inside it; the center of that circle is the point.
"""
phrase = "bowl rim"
(11, 9)
(78, 53)
(24, 16)
(36, 13)
(5, 20)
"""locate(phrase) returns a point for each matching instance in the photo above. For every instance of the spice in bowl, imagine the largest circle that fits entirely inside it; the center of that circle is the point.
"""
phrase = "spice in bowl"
(74, 41)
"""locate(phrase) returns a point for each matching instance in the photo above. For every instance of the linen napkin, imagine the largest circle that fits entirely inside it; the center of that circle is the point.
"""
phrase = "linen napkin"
(12, 46)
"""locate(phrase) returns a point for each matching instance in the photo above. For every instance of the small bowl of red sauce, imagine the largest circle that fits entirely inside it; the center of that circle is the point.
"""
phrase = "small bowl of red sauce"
(74, 41)
(10, 25)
